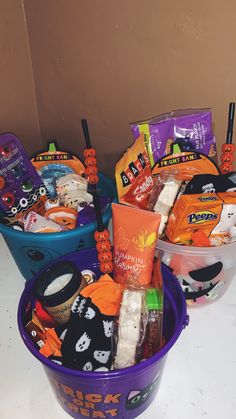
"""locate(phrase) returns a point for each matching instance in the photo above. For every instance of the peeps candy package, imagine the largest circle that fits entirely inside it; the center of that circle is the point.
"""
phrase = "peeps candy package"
(214, 214)
(21, 188)
(133, 175)
(195, 125)
(53, 164)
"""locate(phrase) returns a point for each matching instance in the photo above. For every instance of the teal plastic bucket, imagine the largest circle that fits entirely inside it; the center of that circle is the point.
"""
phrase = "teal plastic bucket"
(33, 251)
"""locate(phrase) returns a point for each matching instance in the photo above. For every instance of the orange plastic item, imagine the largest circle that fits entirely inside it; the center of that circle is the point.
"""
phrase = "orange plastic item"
(199, 238)
(228, 148)
(52, 345)
(187, 163)
(65, 216)
(54, 156)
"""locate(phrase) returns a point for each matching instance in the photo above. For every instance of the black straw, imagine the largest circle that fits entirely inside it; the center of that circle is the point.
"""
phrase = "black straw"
(98, 212)
(230, 123)
(86, 133)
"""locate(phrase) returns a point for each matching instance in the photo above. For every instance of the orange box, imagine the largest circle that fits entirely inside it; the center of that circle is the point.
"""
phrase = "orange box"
(193, 212)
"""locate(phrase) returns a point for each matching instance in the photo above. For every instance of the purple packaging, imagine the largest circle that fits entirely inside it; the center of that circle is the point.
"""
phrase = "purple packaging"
(161, 131)
(21, 187)
(87, 214)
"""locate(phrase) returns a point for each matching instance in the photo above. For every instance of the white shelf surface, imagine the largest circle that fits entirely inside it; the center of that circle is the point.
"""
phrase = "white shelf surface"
(199, 379)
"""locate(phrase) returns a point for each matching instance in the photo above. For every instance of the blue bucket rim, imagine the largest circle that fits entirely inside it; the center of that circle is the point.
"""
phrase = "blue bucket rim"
(9, 231)
(114, 374)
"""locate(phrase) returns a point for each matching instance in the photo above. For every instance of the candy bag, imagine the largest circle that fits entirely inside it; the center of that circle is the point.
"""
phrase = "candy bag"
(133, 175)
(21, 188)
(160, 132)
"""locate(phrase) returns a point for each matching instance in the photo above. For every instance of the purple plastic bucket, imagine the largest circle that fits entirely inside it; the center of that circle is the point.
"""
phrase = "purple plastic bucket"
(124, 393)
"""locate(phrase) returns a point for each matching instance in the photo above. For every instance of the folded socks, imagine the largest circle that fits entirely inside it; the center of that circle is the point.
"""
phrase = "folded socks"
(87, 339)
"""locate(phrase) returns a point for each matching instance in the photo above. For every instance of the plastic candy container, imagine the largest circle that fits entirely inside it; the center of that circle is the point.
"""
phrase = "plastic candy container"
(204, 273)
(21, 187)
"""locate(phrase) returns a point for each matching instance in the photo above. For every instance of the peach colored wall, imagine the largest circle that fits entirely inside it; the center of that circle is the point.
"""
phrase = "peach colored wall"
(116, 61)
(18, 103)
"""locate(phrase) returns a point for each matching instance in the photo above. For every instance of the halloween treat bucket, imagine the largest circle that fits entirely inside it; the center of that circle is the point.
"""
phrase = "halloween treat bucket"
(124, 393)
(204, 273)
(33, 251)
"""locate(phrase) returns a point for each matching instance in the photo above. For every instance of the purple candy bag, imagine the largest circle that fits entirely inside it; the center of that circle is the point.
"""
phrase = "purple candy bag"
(161, 131)
(21, 188)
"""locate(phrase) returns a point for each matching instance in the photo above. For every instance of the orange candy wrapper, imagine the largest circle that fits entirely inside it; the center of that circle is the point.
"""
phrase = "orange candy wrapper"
(187, 163)
(135, 233)
(133, 175)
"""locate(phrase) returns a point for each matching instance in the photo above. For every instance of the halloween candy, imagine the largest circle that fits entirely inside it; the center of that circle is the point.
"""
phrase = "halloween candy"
(193, 212)
(187, 163)
(36, 223)
(53, 164)
(133, 175)
(21, 188)
(191, 127)
(129, 328)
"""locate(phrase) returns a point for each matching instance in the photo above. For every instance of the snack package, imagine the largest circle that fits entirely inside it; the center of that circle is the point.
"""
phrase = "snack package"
(187, 163)
(160, 132)
(129, 330)
(133, 175)
(53, 164)
(161, 199)
(135, 233)
(21, 188)
(35, 223)
(153, 335)
(193, 212)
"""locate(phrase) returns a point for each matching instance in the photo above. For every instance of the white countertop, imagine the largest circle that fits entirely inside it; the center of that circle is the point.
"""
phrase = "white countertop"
(199, 379)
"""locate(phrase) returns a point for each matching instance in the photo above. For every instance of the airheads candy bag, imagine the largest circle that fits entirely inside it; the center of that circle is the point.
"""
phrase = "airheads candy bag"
(53, 164)
(133, 175)
(186, 163)
(160, 132)
(191, 213)
(135, 233)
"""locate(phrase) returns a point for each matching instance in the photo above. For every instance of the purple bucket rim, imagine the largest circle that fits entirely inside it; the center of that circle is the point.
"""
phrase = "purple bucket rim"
(183, 321)
(9, 231)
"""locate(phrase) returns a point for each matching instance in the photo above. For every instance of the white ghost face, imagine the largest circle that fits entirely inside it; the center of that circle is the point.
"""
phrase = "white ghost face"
(101, 356)
(227, 219)
(83, 343)
(107, 326)
(209, 188)
(87, 367)
(90, 313)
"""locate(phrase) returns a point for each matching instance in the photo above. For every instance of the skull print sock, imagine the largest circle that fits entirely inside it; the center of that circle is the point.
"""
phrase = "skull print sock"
(87, 343)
